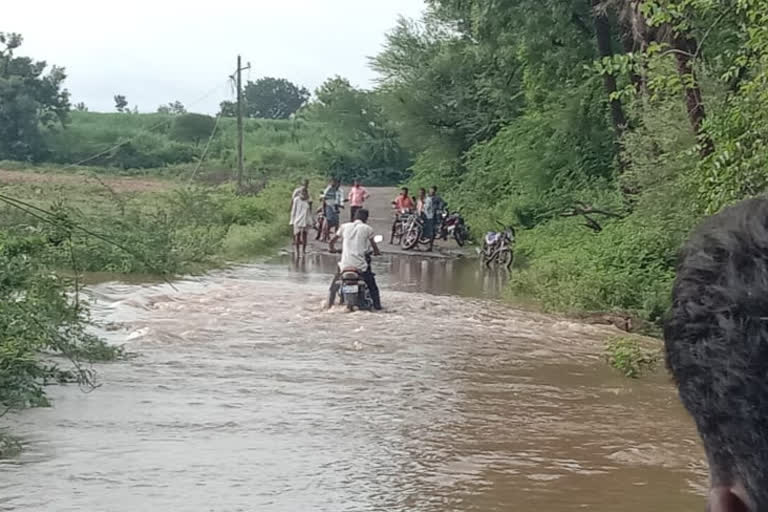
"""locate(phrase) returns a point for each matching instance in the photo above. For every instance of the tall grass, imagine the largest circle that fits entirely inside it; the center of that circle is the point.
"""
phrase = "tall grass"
(131, 143)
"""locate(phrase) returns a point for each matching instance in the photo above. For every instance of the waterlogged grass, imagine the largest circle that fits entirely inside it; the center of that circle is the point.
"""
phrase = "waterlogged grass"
(62, 228)
(9, 446)
(632, 356)
(168, 230)
(628, 267)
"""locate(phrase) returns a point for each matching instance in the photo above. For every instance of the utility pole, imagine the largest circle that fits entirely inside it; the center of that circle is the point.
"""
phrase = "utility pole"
(239, 71)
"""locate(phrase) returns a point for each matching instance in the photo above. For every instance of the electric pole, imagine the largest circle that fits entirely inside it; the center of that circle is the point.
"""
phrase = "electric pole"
(239, 71)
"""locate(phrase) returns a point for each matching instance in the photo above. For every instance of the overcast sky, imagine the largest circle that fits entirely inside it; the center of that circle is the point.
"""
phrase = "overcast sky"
(158, 51)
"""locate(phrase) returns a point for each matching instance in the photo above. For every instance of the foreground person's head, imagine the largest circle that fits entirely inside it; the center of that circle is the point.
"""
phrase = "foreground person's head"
(716, 337)
(362, 215)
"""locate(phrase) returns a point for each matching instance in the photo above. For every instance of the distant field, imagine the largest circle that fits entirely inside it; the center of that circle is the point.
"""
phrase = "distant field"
(127, 142)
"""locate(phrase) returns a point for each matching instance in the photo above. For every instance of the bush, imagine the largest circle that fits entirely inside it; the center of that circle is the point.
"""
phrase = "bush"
(39, 316)
(627, 355)
(629, 266)
(192, 128)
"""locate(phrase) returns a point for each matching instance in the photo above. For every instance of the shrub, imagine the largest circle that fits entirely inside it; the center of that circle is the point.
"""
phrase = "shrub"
(627, 355)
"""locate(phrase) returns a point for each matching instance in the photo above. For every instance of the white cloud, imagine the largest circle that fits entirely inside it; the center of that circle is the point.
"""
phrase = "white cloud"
(158, 51)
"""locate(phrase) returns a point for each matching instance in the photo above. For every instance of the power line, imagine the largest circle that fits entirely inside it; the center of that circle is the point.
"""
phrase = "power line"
(205, 150)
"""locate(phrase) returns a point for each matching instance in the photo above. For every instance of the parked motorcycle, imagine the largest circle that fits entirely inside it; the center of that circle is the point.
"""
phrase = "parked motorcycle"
(413, 231)
(353, 292)
(399, 225)
(497, 247)
(453, 225)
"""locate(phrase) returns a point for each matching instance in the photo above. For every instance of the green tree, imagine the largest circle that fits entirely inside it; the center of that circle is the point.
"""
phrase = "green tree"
(192, 127)
(121, 104)
(31, 101)
(361, 141)
(273, 98)
(174, 108)
(228, 109)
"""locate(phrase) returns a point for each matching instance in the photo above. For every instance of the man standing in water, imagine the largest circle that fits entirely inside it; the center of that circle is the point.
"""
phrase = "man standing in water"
(332, 202)
(357, 196)
(356, 237)
(301, 220)
(433, 205)
(297, 191)
(716, 338)
(402, 205)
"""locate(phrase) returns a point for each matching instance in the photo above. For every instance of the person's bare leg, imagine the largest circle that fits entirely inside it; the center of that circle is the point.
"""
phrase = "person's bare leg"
(304, 240)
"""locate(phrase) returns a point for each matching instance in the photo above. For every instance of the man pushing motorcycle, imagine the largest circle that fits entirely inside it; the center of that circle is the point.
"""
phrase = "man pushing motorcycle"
(356, 237)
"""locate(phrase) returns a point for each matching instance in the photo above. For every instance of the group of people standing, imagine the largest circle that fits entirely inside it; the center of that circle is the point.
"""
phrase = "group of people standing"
(328, 214)
(427, 205)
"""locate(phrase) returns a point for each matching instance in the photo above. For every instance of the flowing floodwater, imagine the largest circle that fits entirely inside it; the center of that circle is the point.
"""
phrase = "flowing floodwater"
(246, 395)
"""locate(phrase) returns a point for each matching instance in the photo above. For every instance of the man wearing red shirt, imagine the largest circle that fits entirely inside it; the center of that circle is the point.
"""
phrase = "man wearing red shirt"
(402, 204)
(357, 196)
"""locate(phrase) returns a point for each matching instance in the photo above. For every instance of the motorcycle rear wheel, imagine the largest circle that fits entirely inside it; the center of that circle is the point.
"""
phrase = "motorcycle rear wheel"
(459, 236)
(505, 258)
(411, 237)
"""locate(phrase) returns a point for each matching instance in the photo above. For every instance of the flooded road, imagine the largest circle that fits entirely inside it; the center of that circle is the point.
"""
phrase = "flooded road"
(246, 395)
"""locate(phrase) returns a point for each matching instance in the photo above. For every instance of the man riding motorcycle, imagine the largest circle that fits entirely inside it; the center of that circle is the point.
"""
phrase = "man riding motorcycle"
(356, 237)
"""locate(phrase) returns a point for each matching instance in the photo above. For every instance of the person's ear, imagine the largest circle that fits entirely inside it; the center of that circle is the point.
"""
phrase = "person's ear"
(728, 499)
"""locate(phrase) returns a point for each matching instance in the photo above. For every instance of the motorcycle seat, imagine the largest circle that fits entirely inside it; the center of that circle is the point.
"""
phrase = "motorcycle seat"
(350, 273)
(492, 237)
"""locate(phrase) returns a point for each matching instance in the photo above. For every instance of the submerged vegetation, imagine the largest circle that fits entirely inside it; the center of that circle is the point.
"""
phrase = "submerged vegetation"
(628, 355)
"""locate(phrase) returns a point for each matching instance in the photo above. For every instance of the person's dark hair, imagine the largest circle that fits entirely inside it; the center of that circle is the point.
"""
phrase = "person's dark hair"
(716, 338)
(404, 189)
(362, 214)
(422, 190)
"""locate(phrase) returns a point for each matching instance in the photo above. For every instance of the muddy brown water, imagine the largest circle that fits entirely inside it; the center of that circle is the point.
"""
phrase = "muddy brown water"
(247, 395)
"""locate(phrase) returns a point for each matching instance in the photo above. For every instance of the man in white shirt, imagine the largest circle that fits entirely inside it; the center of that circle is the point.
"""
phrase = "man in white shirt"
(356, 237)
(297, 190)
(333, 200)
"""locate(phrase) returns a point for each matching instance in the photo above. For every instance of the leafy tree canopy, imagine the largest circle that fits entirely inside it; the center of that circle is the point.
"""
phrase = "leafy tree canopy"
(31, 100)
(273, 98)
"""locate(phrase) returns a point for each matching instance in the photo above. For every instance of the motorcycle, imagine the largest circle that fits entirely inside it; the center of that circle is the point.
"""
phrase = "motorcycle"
(413, 230)
(399, 225)
(497, 247)
(353, 292)
(452, 225)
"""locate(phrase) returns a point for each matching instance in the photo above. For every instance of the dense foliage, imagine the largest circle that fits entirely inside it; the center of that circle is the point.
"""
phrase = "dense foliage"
(360, 141)
(269, 98)
(31, 101)
(541, 113)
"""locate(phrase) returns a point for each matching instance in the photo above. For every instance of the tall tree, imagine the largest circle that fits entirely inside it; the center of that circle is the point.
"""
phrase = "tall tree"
(121, 104)
(175, 108)
(273, 98)
(604, 39)
(228, 108)
(361, 140)
(30, 100)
